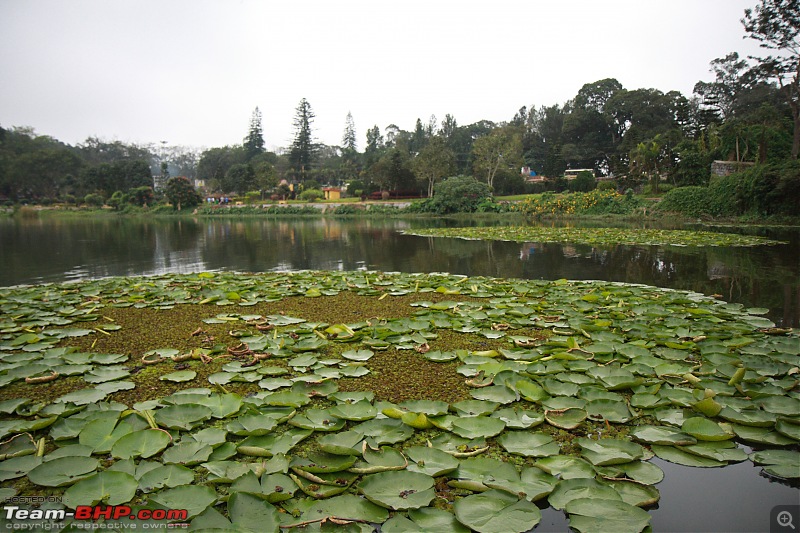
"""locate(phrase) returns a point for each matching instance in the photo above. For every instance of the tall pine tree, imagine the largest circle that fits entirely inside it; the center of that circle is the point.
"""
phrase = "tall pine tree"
(349, 136)
(303, 149)
(349, 166)
(254, 142)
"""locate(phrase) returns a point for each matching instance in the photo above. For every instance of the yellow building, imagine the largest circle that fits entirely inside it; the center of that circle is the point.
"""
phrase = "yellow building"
(332, 193)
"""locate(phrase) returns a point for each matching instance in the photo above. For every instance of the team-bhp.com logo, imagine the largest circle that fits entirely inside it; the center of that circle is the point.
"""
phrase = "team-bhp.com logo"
(99, 512)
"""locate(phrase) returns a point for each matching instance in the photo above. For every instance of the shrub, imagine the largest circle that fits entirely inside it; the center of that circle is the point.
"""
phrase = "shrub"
(718, 199)
(252, 197)
(459, 194)
(93, 200)
(348, 209)
(596, 202)
(311, 195)
(181, 193)
(141, 196)
(584, 182)
(606, 186)
(691, 201)
(117, 200)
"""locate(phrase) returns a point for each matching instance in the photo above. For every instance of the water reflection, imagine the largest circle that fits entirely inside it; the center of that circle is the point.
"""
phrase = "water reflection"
(56, 250)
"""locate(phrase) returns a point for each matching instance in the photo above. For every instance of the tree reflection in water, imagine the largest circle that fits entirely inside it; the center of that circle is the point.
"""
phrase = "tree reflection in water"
(44, 250)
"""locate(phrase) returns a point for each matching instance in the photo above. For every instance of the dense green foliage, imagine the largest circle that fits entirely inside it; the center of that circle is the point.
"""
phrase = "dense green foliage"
(584, 182)
(762, 190)
(311, 195)
(181, 193)
(596, 202)
(458, 194)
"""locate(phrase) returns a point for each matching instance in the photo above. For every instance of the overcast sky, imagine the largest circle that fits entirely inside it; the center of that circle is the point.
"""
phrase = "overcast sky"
(190, 72)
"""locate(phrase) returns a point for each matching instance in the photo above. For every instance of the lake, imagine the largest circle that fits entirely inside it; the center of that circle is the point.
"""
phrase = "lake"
(734, 498)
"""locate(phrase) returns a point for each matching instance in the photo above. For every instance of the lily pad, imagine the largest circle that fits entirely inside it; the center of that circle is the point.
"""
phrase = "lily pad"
(473, 427)
(528, 444)
(144, 443)
(193, 498)
(565, 418)
(592, 514)
(398, 490)
(430, 461)
(63, 471)
(705, 429)
(494, 511)
(609, 451)
(180, 376)
(109, 488)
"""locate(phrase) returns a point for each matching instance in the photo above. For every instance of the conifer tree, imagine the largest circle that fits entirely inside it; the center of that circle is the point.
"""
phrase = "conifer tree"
(303, 148)
(254, 142)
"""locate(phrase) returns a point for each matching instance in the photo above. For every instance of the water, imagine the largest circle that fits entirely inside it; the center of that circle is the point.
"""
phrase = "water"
(53, 251)
(734, 498)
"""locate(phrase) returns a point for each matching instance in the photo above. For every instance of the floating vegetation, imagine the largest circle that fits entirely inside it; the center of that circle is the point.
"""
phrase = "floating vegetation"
(597, 236)
(421, 402)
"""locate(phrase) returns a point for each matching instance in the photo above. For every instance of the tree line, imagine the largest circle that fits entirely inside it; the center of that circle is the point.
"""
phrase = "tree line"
(749, 111)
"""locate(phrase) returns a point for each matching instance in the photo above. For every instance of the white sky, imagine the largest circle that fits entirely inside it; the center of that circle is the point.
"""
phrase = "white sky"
(191, 72)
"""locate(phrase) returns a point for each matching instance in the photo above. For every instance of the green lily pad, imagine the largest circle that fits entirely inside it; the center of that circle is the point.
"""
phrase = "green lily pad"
(591, 514)
(183, 417)
(609, 451)
(63, 471)
(166, 476)
(681, 457)
(180, 376)
(528, 444)
(579, 488)
(430, 461)
(18, 466)
(398, 490)
(344, 507)
(781, 463)
(473, 427)
(661, 435)
(187, 453)
(253, 513)
(705, 429)
(534, 483)
(318, 463)
(193, 498)
(341, 443)
(567, 466)
(516, 418)
(144, 443)
(569, 418)
(317, 420)
(109, 488)
(358, 355)
(430, 519)
(494, 511)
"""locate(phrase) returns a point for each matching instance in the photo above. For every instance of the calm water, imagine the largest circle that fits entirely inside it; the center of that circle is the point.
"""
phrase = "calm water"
(53, 251)
(735, 498)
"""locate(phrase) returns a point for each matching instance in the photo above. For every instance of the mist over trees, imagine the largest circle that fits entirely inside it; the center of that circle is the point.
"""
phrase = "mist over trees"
(747, 110)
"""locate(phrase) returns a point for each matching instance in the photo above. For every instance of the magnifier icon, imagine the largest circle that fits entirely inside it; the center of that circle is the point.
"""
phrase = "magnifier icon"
(785, 519)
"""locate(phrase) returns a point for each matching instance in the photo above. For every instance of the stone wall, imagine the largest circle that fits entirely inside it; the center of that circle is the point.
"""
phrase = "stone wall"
(724, 168)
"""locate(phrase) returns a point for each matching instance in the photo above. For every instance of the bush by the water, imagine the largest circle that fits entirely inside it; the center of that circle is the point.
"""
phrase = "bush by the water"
(762, 190)
(311, 195)
(596, 202)
(93, 200)
(459, 194)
